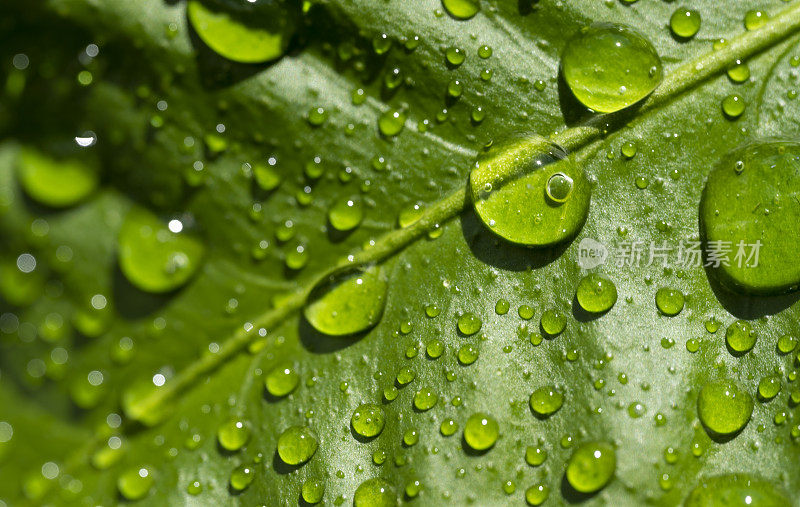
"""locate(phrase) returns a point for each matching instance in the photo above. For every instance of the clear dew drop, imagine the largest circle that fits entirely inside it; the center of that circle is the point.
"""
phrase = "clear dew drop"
(135, 483)
(296, 445)
(529, 192)
(375, 492)
(349, 304)
(723, 407)
(368, 420)
(609, 67)
(281, 381)
(313, 491)
(155, 256)
(546, 401)
(346, 214)
(481, 431)
(462, 9)
(233, 434)
(56, 183)
(391, 122)
(685, 23)
(740, 337)
(596, 294)
(736, 490)
(670, 302)
(469, 324)
(591, 467)
(253, 34)
(241, 477)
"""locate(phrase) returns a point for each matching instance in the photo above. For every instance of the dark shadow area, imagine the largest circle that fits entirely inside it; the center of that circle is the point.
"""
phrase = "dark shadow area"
(572, 110)
(497, 252)
(526, 7)
(281, 467)
(571, 495)
(318, 343)
(132, 303)
(337, 236)
(721, 439)
(581, 315)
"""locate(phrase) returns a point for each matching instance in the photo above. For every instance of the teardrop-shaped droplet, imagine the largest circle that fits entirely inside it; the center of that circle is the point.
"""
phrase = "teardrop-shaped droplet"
(609, 67)
(55, 183)
(723, 407)
(350, 304)
(530, 193)
(245, 33)
(749, 217)
(154, 256)
(591, 467)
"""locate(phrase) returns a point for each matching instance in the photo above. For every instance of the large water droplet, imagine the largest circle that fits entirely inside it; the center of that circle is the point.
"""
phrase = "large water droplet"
(55, 183)
(529, 192)
(596, 294)
(241, 477)
(462, 9)
(591, 467)
(736, 490)
(546, 401)
(234, 434)
(481, 431)
(135, 483)
(281, 381)
(749, 217)
(724, 408)
(375, 492)
(296, 445)
(154, 256)
(609, 67)
(246, 33)
(349, 304)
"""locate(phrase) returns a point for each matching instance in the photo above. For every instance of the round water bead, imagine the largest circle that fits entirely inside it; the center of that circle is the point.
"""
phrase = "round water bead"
(425, 399)
(537, 495)
(135, 483)
(609, 67)
(375, 492)
(281, 381)
(481, 431)
(553, 322)
(528, 191)
(462, 9)
(733, 106)
(591, 467)
(546, 401)
(346, 214)
(234, 434)
(786, 344)
(241, 477)
(745, 204)
(296, 445)
(596, 294)
(670, 301)
(368, 420)
(736, 490)
(740, 337)
(313, 491)
(53, 182)
(769, 387)
(723, 407)
(685, 23)
(469, 324)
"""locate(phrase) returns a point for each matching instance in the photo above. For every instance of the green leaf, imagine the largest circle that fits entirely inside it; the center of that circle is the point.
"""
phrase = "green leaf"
(227, 386)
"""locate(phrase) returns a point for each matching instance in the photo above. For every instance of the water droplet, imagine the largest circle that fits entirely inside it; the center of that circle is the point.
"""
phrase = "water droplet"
(410, 437)
(455, 56)
(455, 88)
(529, 192)
(755, 19)
(769, 387)
(135, 483)
(609, 67)
(502, 306)
(381, 44)
(296, 445)
(435, 349)
(723, 407)
(469, 324)
(467, 354)
(346, 215)
(754, 252)
(786, 344)
(392, 122)
(235, 38)
(368, 420)
(154, 256)
(537, 494)
(375, 492)
(535, 456)
(525, 312)
(669, 301)
(736, 489)
(281, 381)
(194, 488)
(241, 477)
(481, 431)
(740, 337)
(591, 467)
(739, 72)
(553, 322)
(733, 106)
(234, 434)
(596, 294)
(448, 427)
(685, 23)
(405, 376)
(462, 9)
(485, 51)
(546, 401)
(55, 183)
(349, 304)
(425, 399)
(313, 491)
